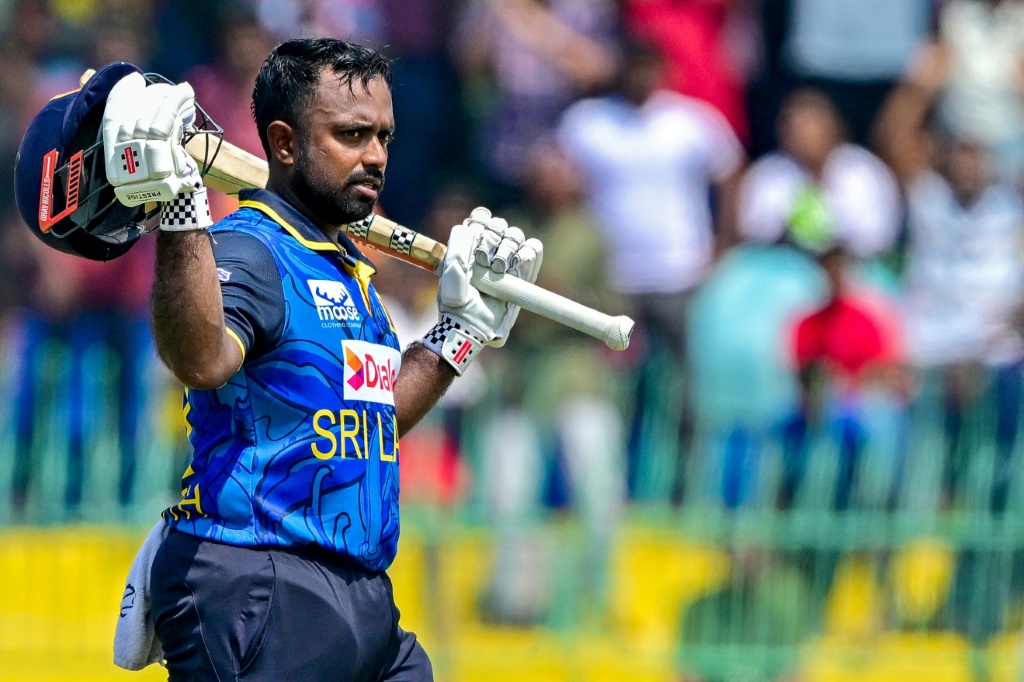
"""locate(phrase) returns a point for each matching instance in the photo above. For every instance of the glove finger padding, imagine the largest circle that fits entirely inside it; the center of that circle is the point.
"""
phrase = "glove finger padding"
(491, 235)
(157, 124)
(505, 254)
(160, 160)
(454, 289)
(479, 215)
(526, 263)
(175, 104)
(455, 292)
(176, 112)
(125, 98)
(119, 116)
(528, 259)
(184, 165)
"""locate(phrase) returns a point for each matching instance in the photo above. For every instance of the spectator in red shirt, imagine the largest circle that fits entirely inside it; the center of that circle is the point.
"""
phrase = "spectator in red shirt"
(849, 335)
(849, 361)
(694, 37)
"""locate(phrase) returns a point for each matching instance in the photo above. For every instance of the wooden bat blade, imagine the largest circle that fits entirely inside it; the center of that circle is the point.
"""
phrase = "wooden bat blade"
(233, 169)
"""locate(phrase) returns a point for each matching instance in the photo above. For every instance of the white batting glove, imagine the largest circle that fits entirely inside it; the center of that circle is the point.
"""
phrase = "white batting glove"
(145, 161)
(470, 319)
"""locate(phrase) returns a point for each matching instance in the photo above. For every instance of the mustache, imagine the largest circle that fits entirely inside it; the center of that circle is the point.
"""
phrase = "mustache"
(365, 177)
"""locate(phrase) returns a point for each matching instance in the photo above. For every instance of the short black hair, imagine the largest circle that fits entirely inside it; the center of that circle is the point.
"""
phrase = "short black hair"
(287, 81)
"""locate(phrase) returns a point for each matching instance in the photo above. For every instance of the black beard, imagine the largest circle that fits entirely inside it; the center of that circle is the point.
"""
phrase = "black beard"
(333, 205)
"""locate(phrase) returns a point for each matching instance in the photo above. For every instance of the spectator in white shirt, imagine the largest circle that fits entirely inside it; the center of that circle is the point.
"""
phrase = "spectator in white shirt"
(984, 93)
(650, 159)
(838, 202)
(818, 188)
(964, 277)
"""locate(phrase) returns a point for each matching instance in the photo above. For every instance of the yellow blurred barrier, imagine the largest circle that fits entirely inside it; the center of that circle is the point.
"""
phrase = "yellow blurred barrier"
(59, 596)
(890, 657)
(60, 589)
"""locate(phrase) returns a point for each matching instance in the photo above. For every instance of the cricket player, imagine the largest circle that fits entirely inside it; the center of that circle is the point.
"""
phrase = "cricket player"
(274, 567)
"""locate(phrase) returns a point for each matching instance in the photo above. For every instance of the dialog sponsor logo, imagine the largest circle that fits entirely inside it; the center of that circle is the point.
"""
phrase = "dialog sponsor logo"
(332, 300)
(370, 371)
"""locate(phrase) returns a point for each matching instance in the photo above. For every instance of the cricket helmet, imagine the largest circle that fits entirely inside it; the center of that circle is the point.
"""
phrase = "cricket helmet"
(60, 181)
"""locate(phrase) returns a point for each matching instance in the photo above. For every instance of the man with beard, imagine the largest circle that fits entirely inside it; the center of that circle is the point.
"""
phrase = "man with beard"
(274, 564)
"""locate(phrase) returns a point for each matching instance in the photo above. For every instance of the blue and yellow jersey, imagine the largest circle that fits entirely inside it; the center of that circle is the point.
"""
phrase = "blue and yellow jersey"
(300, 446)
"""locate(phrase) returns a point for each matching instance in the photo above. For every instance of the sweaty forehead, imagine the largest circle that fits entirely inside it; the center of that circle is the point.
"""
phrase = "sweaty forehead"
(340, 100)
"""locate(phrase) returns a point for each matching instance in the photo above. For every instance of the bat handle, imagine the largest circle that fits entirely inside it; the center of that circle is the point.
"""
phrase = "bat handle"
(614, 331)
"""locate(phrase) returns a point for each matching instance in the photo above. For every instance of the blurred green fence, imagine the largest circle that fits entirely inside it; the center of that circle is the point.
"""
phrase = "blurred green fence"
(906, 563)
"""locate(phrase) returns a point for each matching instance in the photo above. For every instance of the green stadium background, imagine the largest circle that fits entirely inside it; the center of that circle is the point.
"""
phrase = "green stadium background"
(673, 582)
(696, 591)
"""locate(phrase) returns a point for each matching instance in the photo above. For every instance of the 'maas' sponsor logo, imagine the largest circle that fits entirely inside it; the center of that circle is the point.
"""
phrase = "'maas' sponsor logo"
(370, 371)
(332, 300)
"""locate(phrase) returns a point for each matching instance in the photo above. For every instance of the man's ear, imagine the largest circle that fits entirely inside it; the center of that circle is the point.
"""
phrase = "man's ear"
(282, 140)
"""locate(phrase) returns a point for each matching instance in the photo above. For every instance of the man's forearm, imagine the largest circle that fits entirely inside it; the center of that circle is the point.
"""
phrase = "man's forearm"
(187, 311)
(423, 379)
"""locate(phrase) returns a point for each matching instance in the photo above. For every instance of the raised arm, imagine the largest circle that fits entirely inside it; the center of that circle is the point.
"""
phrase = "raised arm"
(585, 60)
(582, 58)
(188, 312)
(144, 123)
(899, 136)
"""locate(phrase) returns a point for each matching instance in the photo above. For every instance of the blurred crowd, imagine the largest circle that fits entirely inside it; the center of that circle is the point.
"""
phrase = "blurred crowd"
(812, 209)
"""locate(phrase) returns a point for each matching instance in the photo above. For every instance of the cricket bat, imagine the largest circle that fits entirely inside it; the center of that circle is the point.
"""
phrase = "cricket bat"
(234, 169)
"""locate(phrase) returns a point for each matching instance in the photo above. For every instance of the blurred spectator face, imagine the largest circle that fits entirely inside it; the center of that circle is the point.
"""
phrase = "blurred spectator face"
(967, 166)
(17, 79)
(246, 45)
(641, 73)
(749, 562)
(552, 182)
(35, 29)
(809, 128)
(118, 42)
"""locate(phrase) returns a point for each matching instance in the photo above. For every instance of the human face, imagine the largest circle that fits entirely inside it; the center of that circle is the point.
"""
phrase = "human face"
(967, 168)
(640, 79)
(342, 149)
(808, 129)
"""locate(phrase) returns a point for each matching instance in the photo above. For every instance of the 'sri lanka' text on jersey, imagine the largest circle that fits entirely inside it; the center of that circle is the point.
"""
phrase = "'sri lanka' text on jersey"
(300, 446)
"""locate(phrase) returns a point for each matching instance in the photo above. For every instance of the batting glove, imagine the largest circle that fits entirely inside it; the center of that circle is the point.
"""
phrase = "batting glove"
(145, 161)
(470, 319)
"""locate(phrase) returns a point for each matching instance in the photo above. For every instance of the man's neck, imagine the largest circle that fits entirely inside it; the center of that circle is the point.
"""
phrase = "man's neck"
(281, 188)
